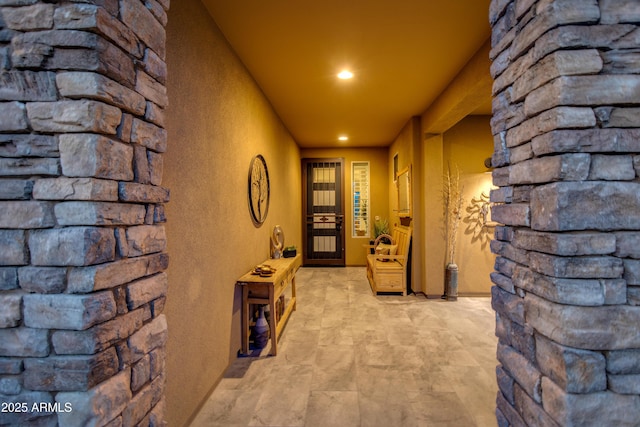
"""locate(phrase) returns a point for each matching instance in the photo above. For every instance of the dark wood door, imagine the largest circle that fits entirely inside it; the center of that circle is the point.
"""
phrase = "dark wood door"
(323, 210)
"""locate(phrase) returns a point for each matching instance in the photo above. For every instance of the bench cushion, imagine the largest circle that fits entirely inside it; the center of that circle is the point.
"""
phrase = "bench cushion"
(386, 249)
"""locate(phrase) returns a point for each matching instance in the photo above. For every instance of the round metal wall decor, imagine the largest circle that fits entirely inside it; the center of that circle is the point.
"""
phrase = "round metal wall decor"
(259, 190)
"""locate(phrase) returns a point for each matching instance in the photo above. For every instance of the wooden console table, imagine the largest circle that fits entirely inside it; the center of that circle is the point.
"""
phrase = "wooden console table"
(267, 290)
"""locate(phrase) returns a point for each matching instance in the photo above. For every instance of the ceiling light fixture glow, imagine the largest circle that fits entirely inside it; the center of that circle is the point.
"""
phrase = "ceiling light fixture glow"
(345, 75)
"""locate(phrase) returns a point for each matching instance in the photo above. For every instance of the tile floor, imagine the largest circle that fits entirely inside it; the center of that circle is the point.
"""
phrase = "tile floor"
(348, 358)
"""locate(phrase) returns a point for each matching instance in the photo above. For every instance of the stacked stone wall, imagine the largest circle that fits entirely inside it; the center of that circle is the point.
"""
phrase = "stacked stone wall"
(566, 125)
(82, 240)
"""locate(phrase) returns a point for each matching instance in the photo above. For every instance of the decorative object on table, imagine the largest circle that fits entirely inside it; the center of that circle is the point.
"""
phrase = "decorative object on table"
(261, 330)
(452, 204)
(263, 270)
(290, 252)
(277, 242)
(259, 190)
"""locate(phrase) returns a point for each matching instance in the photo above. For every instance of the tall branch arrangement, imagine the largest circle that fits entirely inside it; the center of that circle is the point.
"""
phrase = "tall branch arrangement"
(452, 198)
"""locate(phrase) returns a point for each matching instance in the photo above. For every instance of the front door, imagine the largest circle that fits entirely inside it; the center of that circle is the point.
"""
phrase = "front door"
(323, 198)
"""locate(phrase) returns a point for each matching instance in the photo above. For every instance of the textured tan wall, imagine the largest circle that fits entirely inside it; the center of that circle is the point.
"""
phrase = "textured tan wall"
(434, 245)
(467, 145)
(217, 121)
(407, 146)
(355, 253)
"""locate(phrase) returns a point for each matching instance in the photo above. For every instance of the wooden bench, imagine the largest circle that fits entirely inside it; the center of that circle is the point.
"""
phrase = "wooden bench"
(388, 273)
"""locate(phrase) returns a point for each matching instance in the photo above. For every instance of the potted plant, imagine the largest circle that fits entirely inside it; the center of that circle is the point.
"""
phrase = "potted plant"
(452, 204)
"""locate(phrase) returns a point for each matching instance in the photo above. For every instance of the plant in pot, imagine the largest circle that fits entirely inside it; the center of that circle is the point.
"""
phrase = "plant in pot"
(380, 227)
(452, 204)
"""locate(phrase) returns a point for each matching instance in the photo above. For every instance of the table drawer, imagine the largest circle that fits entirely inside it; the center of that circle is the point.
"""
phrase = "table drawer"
(280, 287)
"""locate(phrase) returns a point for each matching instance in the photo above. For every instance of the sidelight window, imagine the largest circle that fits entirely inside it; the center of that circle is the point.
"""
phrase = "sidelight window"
(360, 179)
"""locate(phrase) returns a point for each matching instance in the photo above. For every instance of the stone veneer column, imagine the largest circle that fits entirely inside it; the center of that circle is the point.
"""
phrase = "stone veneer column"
(82, 241)
(567, 275)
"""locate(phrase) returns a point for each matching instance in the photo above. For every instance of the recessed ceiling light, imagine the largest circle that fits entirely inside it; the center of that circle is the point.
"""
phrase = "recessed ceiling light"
(345, 74)
(343, 138)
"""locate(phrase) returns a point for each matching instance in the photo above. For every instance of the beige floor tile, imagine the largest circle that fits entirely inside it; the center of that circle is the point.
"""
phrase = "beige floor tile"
(335, 369)
(228, 408)
(333, 408)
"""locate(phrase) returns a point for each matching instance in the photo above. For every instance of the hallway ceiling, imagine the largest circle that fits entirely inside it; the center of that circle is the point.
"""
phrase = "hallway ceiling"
(403, 53)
